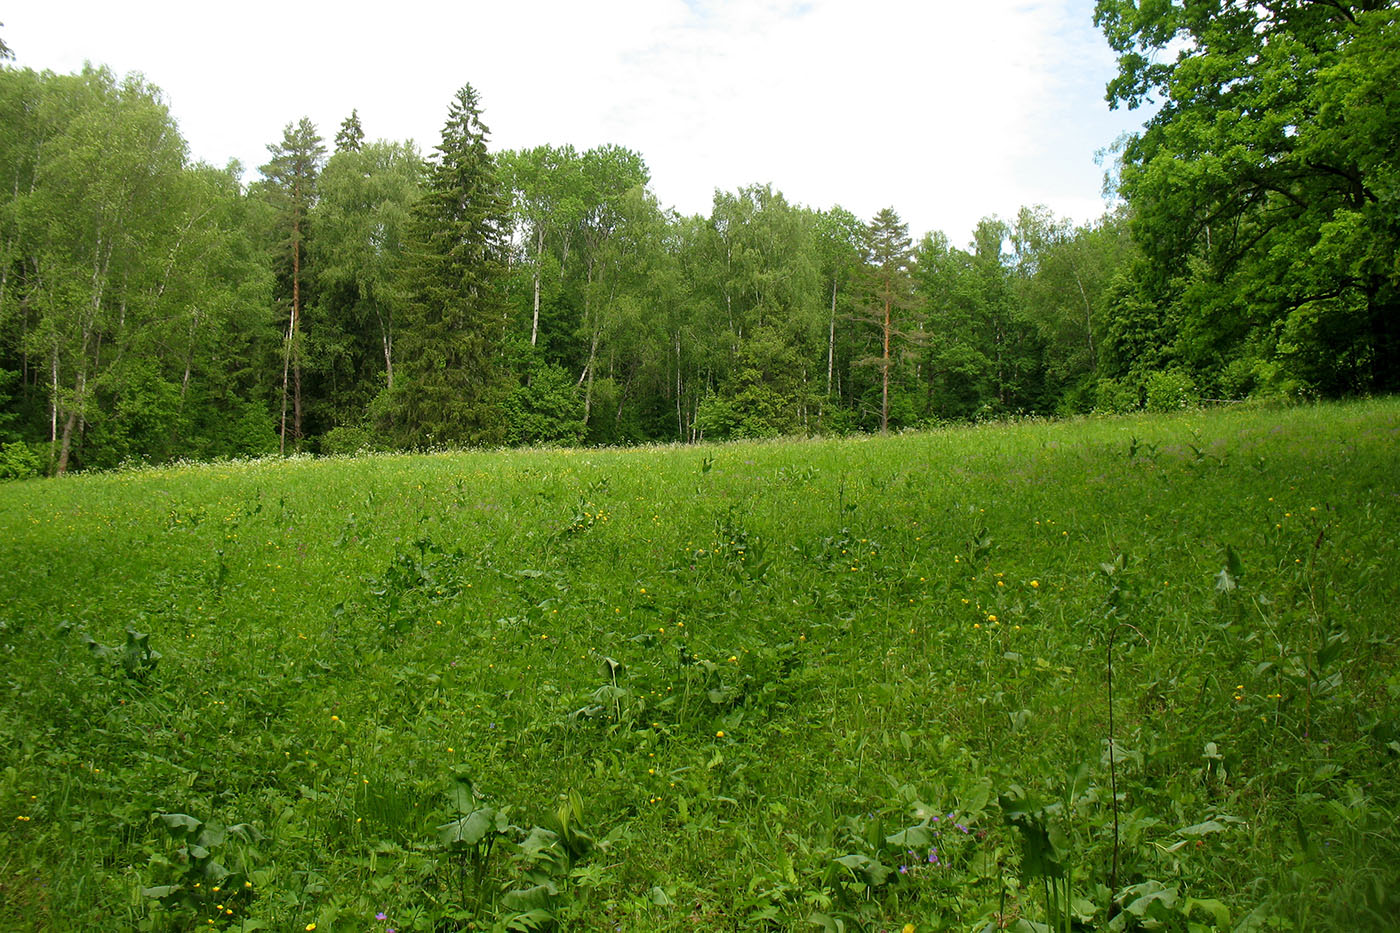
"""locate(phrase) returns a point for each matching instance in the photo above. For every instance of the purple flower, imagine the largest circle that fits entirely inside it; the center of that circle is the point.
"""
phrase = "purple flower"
(904, 869)
(381, 916)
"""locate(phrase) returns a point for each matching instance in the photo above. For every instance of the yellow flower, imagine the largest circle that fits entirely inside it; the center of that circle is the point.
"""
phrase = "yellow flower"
(335, 719)
(310, 927)
(719, 734)
(1035, 584)
(908, 928)
(991, 618)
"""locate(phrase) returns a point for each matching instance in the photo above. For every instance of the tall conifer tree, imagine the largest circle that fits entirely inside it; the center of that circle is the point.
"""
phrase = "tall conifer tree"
(292, 174)
(888, 257)
(451, 388)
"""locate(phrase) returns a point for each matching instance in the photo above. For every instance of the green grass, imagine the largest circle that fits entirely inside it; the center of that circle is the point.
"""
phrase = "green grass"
(717, 687)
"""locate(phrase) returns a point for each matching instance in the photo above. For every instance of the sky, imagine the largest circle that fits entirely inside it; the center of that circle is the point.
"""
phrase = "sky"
(945, 111)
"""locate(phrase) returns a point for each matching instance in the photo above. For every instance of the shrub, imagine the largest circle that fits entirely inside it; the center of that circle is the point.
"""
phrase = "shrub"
(1114, 397)
(345, 440)
(1171, 390)
(19, 461)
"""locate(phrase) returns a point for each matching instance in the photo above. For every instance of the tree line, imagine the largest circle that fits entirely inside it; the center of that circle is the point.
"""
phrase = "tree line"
(361, 295)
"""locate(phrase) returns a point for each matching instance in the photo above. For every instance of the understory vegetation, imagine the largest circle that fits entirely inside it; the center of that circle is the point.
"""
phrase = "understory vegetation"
(1129, 673)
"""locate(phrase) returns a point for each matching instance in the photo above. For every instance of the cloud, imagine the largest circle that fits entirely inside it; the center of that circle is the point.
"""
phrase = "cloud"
(946, 111)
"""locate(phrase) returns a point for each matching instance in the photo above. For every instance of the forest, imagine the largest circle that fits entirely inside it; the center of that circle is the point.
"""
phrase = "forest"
(359, 294)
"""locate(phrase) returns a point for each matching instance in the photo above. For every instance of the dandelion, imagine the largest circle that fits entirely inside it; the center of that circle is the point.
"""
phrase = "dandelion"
(719, 734)
(335, 719)
(1035, 584)
(310, 927)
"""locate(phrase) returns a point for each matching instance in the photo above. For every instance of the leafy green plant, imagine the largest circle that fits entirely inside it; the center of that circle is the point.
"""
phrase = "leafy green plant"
(198, 878)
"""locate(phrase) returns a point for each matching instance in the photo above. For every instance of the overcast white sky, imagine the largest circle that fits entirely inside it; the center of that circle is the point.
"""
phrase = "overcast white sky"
(946, 111)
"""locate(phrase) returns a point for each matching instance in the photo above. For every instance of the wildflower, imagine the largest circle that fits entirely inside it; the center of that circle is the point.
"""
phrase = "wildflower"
(310, 927)
(335, 719)
(719, 734)
(991, 618)
(1035, 584)
(381, 916)
(908, 928)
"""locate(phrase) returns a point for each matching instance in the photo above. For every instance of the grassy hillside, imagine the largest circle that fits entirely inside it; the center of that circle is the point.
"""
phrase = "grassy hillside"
(859, 684)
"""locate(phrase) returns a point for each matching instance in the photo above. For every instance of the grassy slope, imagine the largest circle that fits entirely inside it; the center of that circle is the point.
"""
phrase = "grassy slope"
(885, 629)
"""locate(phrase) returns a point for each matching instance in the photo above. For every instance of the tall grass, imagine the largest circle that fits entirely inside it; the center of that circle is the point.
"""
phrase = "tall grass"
(858, 684)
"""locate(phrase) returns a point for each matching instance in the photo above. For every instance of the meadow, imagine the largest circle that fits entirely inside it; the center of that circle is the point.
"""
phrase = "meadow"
(1123, 673)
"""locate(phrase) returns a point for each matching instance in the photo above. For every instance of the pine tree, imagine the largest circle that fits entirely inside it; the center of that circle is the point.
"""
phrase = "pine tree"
(291, 175)
(888, 257)
(451, 389)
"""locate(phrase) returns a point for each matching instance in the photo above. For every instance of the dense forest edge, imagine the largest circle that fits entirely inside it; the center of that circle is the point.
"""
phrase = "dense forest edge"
(361, 295)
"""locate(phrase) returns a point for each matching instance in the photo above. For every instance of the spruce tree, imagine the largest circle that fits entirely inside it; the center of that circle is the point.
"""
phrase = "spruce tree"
(351, 137)
(451, 388)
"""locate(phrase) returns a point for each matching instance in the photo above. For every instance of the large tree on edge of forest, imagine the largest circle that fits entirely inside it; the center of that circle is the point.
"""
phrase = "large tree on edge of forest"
(1265, 191)
(450, 389)
(291, 174)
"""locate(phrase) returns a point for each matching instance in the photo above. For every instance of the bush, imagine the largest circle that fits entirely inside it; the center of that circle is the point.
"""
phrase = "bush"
(547, 411)
(1114, 397)
(1171, 390)
(345, 440)
(19, 461)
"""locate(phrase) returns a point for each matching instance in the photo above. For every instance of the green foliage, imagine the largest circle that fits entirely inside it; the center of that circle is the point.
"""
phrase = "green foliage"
(1170, 390)
(449, 391)
(346, 441)
(1257, 191)
(19, 461)
(547, 410)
